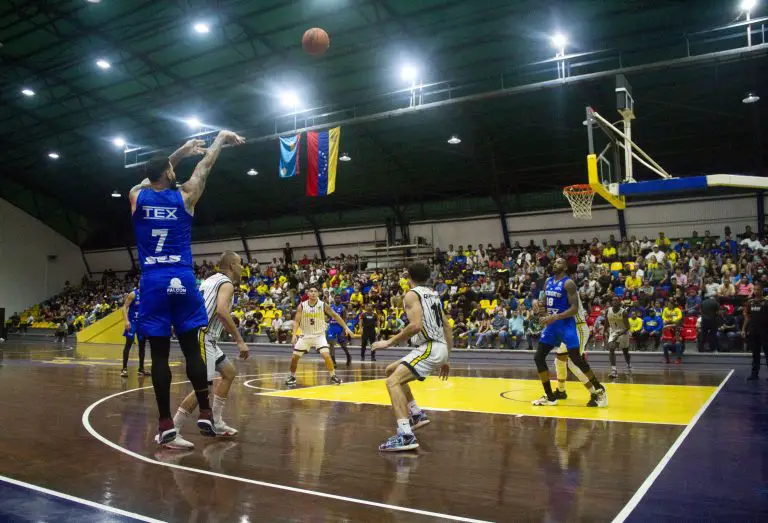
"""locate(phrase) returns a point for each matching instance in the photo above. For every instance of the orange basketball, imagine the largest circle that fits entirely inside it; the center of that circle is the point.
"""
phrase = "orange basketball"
(315, 41)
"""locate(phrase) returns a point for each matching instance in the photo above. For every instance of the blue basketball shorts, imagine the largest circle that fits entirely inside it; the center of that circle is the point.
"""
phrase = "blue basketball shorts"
(563, 331)
(335, 333)
(132, 333)
(169, 297)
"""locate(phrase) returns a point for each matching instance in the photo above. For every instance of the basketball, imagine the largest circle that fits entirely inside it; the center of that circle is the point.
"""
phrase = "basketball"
(315, 41)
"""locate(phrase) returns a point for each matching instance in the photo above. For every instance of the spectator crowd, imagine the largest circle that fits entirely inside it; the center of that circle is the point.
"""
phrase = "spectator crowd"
(676, 290)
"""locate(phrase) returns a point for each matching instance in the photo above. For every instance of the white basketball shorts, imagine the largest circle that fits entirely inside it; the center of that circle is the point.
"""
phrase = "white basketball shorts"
(426, 359)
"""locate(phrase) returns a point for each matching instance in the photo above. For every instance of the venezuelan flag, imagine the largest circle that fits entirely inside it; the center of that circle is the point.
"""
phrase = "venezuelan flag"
(323, 154)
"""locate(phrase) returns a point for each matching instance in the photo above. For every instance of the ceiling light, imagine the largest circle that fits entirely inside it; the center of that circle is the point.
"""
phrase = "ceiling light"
(193, 122)
(53, 156)
(454, 140)
(202, 28)
(408, 73)
(115, 194)
(289, 99)
(750, 98)
(93, 1)
(345, 157)
(27, 92)
(559, 40)
(748, 5)
(119, 142)
(252, 172)
(103, 64)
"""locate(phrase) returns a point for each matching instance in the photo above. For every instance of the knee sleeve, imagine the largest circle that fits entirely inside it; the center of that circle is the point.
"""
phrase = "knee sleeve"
(541, 357)
(561, 366)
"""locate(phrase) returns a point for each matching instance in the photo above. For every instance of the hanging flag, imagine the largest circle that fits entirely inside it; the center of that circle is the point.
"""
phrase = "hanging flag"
(323, 151)
(289, 155)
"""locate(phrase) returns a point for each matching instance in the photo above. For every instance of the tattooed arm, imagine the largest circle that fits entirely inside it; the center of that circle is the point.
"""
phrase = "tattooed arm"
(193, 188)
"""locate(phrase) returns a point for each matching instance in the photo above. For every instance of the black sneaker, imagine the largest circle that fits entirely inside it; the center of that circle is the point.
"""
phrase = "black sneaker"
(560, 395)
(592, 400)
(753, 377)
(335, 380)
(291, 381)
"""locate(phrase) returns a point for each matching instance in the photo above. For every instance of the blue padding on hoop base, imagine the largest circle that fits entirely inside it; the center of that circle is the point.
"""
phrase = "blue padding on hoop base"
(692, 183)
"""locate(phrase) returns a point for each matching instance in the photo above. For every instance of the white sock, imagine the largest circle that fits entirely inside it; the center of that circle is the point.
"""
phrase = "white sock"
(591, 388)
(414, 408)
(404, 426)
(613, 368)
(218, 407)
(179, 417)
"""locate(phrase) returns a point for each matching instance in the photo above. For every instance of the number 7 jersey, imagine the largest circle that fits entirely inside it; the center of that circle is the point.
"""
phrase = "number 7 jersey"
(432, 317)
(163, 230)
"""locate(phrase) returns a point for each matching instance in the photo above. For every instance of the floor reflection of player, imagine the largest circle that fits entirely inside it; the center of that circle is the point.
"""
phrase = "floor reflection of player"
(564, 465)
(336, 331)
(308, 434)
(210, 499)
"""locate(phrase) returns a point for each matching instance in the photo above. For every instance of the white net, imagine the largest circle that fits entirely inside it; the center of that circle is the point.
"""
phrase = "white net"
(580, 197)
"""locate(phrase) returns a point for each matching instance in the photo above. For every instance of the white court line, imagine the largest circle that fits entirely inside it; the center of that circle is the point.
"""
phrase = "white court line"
(82, 501)
(87, 424)
(635, 500)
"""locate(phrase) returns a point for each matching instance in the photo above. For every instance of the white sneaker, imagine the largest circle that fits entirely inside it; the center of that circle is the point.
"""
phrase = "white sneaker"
(602, 398)
(222, 429)
(544, 401)
(177, 443)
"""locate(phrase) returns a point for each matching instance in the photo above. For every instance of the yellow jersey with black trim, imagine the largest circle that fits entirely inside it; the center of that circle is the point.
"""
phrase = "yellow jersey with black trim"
(313, 318)
(432, 317)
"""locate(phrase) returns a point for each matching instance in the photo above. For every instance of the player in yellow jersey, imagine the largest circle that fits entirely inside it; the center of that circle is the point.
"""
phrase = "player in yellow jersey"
(311, 318)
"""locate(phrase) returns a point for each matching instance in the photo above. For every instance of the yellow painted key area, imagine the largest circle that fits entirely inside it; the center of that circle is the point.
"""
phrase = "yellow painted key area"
(630, 402)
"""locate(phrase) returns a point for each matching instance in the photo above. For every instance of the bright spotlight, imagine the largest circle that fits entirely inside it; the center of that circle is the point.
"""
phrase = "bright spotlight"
(748, 5)
(119, 142)
(345, 157)
(53, 156)
(103, 64)
(559, 40)
(751, 98)
(193, 122)
(115, 194)
(454, 140)
(408, 73)
(252, 172)
(289, 99)
(201, 28)
(27, 92)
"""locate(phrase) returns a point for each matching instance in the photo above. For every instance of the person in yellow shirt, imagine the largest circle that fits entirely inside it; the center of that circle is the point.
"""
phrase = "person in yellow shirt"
(635, 324)
(609, 252)
(632, 283)
(262, 289)
(356, 299)
(671, 315)
(662, 241)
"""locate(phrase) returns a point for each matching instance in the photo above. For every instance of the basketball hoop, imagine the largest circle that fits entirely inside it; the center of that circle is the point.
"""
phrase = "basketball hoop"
(580, 197)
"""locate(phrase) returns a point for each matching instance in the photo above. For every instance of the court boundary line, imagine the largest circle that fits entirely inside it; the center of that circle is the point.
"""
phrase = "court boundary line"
(82, 501)
(336, 497)
(635, 500)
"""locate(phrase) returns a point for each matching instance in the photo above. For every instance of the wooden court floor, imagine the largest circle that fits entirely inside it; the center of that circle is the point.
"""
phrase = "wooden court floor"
(309, 454)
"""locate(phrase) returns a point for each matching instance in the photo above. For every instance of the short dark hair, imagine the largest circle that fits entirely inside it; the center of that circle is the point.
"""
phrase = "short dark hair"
(313, 286)
(155, 167)
(418, 272)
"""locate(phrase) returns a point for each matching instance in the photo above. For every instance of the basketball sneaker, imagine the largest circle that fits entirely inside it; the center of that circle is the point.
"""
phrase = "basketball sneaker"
(399, 443)
(544, 401)
(177, 443)
(223, 430)
(598, 399)
(291, 381)
(419, 420)
(335, 380)
(124, 373)
(205, 423)
(614, 373)
(560, 395)
(143, 372)
(166, 432)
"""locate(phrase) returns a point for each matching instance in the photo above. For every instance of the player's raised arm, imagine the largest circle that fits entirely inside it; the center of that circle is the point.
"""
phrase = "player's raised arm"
(193, 188)
(191, 148)
(414, 313)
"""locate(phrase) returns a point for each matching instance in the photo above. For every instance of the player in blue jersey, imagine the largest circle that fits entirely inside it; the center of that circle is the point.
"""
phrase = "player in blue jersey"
(336, 331)
(562, 305)
(130, 310)
(162, 223)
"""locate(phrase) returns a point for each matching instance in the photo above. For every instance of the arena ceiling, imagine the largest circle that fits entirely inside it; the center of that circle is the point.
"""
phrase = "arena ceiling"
(521, 130)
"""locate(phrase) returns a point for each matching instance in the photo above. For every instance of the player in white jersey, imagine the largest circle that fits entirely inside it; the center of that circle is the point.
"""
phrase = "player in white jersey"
(617, 328)
(218, 295)
(430, 333)
(310, 317)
